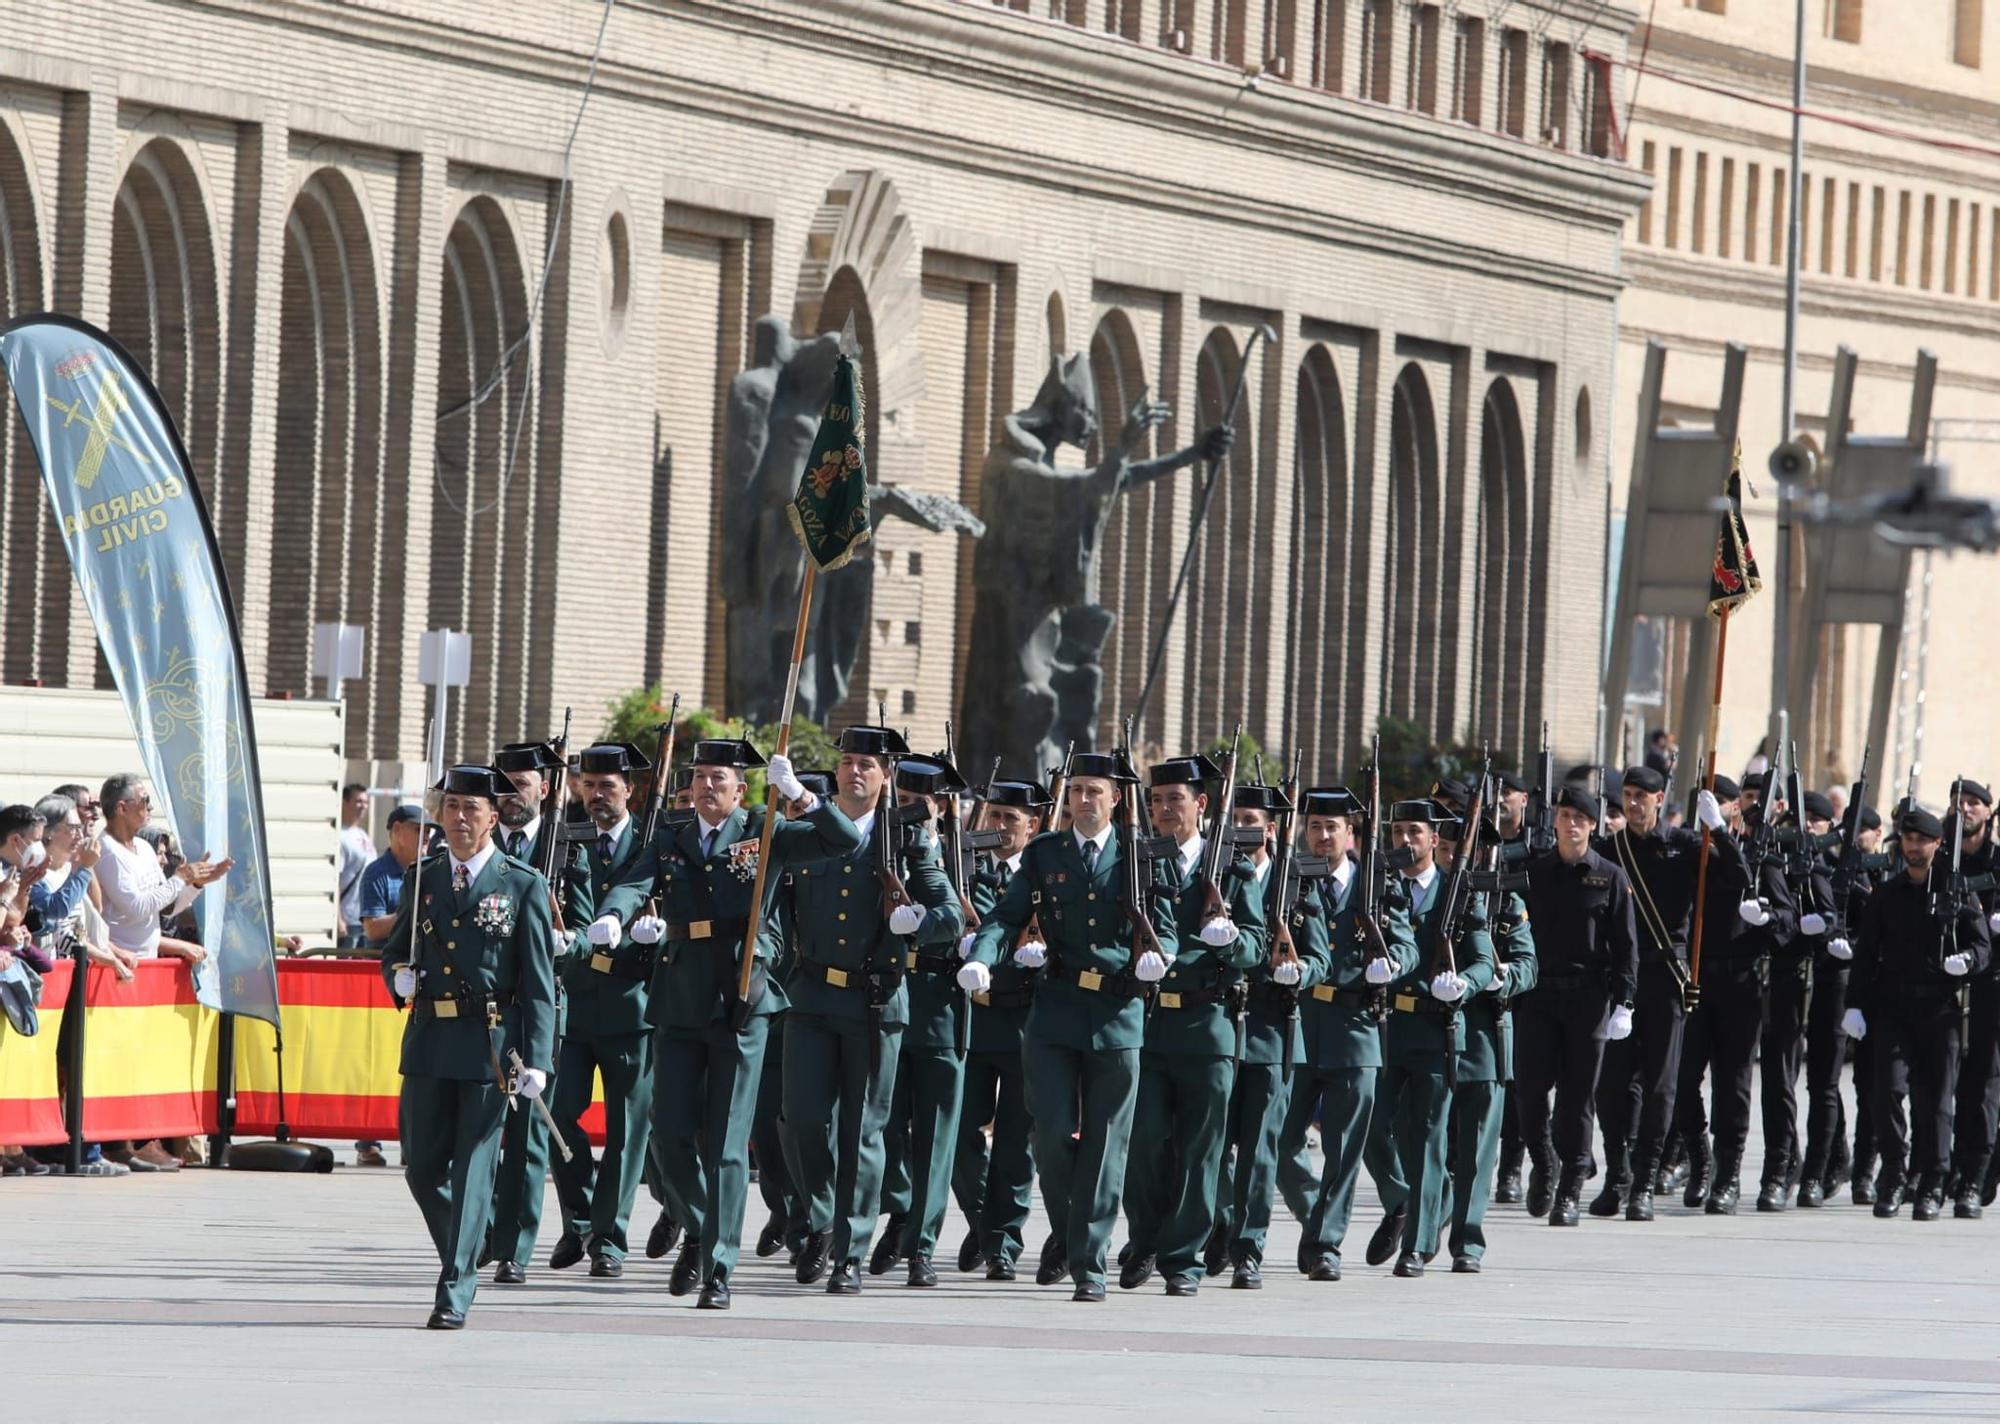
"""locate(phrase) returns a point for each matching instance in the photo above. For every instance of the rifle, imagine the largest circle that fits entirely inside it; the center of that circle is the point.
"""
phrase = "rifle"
(951, 840)
(1542, 803)
(1455, 907)
(1852, 867)
(656, 800)
(1949, 898)
(1368, 872)
(1031, 933)
(1281, 898)
(552, 837)
(1801, 860)
(1221, 826)
(1138, 834)
(1762, 842)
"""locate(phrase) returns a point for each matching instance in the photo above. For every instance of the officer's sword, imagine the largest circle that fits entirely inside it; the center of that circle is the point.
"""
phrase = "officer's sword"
(555, 1133)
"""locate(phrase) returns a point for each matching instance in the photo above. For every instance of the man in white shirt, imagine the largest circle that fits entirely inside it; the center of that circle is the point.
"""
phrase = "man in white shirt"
(357, 851)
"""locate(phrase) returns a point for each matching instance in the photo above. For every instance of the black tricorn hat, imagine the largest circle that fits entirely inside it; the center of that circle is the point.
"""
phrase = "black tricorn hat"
(1027, 795)
(820, 783)
(472, 779)
(526, 756)
(1107, 765)
(1257, 797)
(725, 751)
(1183, 771)
(613, 756)
(1333, 801)
(923, 776)
(874, 741)
(1424, 812)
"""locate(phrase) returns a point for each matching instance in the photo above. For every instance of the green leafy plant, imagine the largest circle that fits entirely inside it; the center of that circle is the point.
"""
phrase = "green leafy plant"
(1412, 763)
(636, 716)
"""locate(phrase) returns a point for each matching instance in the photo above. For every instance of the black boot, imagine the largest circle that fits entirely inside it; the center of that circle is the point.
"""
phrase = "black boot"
(1888, 1191)
(1617, 1182)
(1507, 1178)
(1861, 1181)
(1639, 1206)
(1541, 1192)
(1562, 1211)
(1967, 1206)
(1812, 1194)
(1772, 1196)
(889, 1248)
(1929, 1199)
(1701, 1172)
(1723, 1190)
(1673, 1173)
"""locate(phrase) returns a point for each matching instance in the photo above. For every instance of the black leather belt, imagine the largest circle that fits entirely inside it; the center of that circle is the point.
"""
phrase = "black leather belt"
(1422, 1004)
(852, 978)
(1570, 979)
(460, 1006)
(1342, 998)
(1006, 998)
(708, 929)
(1282, 997)
(937, 966)
(1192, 998)
(637, 966)
(1094, 982)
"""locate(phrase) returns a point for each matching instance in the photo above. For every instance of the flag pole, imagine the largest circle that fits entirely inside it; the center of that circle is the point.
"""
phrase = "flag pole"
(1708, 785)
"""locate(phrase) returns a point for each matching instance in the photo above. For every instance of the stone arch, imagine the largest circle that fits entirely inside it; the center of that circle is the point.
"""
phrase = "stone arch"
(326, 483)
(34, 637)
(1500, 641)
(1134, 565)
(1413, 555)
(1229, 577)
(484, 463)
(1323, 615)
(1055, 330)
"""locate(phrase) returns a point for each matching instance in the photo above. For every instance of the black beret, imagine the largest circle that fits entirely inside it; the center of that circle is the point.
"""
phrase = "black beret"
(1510, 781)
(1452, 789)
(1818, 808)
(1581, 800)
(1725, 789)
(1645, 778)
(1871, 819)
(1976, 792)
(1918, 821)
(613, 756)
(1756, 780)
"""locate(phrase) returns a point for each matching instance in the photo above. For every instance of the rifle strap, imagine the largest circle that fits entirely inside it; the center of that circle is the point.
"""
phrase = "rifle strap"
(1642, 894)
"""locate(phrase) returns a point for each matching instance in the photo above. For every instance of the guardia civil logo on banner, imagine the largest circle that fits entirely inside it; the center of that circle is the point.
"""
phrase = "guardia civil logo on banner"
(145, 557)
(830, 511)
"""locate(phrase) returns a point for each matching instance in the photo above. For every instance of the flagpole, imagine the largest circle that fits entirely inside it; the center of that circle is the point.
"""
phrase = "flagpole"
(1708, 785)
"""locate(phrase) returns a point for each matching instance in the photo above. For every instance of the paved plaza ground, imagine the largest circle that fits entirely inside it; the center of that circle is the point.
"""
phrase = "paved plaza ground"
(258, 1299)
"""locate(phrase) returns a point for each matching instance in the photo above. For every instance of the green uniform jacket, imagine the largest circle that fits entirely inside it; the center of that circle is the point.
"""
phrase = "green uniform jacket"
(1489, 1027)
(997, 1023)
(694, 980)
(495, 939)
(1207, 1030)
(1270, 1018)
(607, 987)
(1085, 927)
(1339, 1028)
(1419, 1038)
(576, 899)
(841, 926)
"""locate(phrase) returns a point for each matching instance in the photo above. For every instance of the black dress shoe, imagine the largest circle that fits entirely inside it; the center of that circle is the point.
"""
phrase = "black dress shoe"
(771, 1239)
(1811, 1195)
(1000, 1270)
(1541, 1191)
(446, 1320)
(1055, 1265)
(812, 1257)
(1771, 1197)
(1721, 1199)
(1382, 1245)
(1215, 1255)
(1862, 1189)
(1967, 1207)
(845, 1280)
(968, 1253)
(661, 1238)
(1507, 1188)
(1465, 1266)
(687, 1269)
(609, 1268)
(569, 1250)
(1136, 1271)
(1182, 1285)
(509, 1274)
(714, 1295)
(1640, 1206)
(1700, 1179)
(1609, 1202)
(889, 1250)
(1671, 1179)
(1325, 1269)
(1409, 1265)
(922, 1273)
(1249, 1276)
(1926, 1208)
(1562, 1211)
(1088, 1290)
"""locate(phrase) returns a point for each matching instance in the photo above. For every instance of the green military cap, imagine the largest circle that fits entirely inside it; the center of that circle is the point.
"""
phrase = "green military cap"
(526, 756)
(725, 751)
(475, 780)
(613, 756)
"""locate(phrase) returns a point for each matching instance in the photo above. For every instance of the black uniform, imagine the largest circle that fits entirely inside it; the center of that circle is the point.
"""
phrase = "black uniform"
(1588, 948)
(1781, 1047)
(1979, 1078)
(1826, 1156)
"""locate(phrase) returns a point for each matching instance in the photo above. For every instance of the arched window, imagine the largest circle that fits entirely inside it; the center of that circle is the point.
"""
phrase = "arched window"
(1411, 578)
(35, 632)
(1325, 617)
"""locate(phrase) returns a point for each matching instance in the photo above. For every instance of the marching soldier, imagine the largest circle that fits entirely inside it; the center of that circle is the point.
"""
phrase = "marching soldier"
(1188, 1062)
(1979, 1082)
(524, 1144)
(1080, 1052)
(1340, 1024)
(1586, 946)
(707, 1048)
(605, 1032)
(1920, 941)
(994, 1183)
(1827, 1159)
(471, 954)
(1516, 847)
(1263, 1082)
(1782, 1044)
(665, 1233)
(843, 1035)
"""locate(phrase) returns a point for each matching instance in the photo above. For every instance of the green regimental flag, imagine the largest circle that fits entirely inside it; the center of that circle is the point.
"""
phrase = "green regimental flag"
(830, 511)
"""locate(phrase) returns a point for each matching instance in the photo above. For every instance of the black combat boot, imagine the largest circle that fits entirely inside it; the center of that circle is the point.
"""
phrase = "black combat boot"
(1507, 1178)
(1617, 1182)
(1541, 1193)
(1723, 1190)
(1562, 1211)
(1701, 1172)
(1639, 1206)
(1888, 1190)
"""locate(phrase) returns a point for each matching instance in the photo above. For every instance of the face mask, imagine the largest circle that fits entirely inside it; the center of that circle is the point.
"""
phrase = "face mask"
(34, 855)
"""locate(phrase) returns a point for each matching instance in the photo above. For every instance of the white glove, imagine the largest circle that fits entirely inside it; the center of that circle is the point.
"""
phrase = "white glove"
(1754, 912)
(1621, 1023)
(974, 977)
(1812, 923)
(531, 1082)
(1219, 933)
(1957, 965)
(604, 931)
(1993, 922)
(1288, 972)
(965, 947)
(906, 919)
(1032, 955)
(1708, 810)
(648, 929)
(1447, 988)
(406, 982)
(1839, 948)
(1500, 974)
(780, 774)
(1854, 1025)
(1379, 971)
(1151, 968)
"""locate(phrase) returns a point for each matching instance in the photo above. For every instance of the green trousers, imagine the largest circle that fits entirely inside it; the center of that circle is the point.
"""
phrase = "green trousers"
(920, 1141)
(769, 1147)
(1476, 1118)
(1324, 1201)
(701, 1121)
(1406, 1151)
(596, 1196)
(838, 1092)
(1082, 1101)
(1176, 1156)
(519, 1184)
(994, 1183)
(1249, 1173)
(450, 1134)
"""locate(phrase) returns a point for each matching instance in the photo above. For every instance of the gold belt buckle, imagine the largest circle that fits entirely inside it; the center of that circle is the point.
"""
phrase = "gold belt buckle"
(837, 978)
(1406, 1003)
(982, 999)
(1090, 979)
(700, 929)
(1170, 1001)
(1323, 992)
(910, 959)
(444, 1008)
(601, 963)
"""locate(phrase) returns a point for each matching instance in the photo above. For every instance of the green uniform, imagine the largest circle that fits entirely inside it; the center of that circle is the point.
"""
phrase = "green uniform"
(844, 1033)
(994, 1183)
(1257, 1105)
(522, 1180)
(486, 985)
(1484, 1068)
(770, 1137)
(606, 1034)
(1080, 1048)
(706, 1071)
(1186, 1070)
(1410, 1135)
(1340, 1063)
